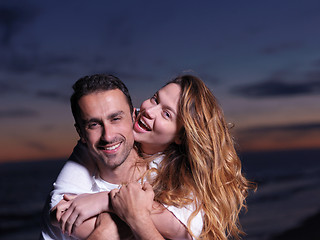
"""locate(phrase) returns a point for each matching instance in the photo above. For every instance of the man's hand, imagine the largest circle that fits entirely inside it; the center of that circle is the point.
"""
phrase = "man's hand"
(76, 210)
(132, 201)
(133, 204)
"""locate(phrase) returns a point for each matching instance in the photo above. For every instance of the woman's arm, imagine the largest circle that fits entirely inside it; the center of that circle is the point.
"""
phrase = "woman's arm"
(88, 205)
(74, 178)
(73, 211)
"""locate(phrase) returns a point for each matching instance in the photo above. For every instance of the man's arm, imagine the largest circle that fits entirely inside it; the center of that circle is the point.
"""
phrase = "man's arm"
(168, 224)
(110, 227)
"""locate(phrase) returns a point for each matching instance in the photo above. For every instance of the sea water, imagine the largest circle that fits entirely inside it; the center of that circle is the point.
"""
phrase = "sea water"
(24, 187)
(288, 191)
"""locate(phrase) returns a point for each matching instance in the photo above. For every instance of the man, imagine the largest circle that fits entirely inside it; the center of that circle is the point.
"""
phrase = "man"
(103, 112)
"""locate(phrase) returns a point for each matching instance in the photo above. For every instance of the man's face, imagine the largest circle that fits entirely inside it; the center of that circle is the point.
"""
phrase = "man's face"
(106, 127)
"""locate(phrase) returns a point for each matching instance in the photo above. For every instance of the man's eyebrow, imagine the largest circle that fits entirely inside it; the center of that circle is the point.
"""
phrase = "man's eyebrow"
(116, 114)
(97, 120)
(86, 121)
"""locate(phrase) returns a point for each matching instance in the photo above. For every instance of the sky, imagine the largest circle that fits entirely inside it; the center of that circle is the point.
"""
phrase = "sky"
(261, 59)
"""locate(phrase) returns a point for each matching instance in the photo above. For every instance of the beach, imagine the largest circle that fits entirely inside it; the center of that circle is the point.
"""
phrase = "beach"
(286, 204)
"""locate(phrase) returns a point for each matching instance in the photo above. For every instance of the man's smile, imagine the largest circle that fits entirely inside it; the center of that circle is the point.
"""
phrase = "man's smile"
(110, 149)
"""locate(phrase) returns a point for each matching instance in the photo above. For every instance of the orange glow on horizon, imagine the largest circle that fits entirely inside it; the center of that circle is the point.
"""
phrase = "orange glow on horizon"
(246, 143)
(280, 140)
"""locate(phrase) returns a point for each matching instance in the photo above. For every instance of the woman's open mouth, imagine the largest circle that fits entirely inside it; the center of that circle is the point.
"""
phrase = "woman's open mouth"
(141, 126)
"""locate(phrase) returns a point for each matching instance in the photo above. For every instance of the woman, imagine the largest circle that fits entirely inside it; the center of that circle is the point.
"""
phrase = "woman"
(200, 167)
(203, 168)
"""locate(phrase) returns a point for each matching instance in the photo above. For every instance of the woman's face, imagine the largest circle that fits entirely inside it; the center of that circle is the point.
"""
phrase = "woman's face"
(157, 125)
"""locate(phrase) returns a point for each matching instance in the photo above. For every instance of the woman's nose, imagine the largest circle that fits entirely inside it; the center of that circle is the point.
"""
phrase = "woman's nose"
(151, 112)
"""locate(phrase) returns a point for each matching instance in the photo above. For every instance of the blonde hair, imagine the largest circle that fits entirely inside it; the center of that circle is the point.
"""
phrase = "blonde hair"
(204, 169)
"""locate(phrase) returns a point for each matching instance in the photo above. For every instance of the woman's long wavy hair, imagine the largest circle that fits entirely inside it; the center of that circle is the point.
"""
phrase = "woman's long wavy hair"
(204, 169)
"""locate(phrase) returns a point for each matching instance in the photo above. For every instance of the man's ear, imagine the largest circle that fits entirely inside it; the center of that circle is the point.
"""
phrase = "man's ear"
(134, 114)
(83, 140)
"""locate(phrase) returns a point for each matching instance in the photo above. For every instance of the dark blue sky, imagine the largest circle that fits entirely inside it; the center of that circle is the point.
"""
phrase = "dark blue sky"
(260, 58)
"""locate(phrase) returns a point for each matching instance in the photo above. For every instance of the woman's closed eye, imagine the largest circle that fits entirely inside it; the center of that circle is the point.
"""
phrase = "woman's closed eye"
(154, 99)
(166, 114)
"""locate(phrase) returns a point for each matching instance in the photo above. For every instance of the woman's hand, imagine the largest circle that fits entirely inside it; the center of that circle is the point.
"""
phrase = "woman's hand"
(57, 211)
(79, 208)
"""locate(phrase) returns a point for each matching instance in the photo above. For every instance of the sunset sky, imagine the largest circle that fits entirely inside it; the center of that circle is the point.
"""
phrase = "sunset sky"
(261, 59)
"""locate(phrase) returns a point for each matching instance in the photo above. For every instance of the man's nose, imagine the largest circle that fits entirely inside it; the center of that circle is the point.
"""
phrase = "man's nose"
(107, 134)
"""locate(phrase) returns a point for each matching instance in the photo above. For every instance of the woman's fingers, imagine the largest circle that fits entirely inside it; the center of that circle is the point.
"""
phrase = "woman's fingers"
(61, 208)
(69, 197)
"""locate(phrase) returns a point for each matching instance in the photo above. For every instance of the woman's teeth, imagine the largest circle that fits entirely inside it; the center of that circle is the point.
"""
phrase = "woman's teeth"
(143, 125)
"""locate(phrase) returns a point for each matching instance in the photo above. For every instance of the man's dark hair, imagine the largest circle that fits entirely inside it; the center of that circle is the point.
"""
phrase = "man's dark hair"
(96, 83)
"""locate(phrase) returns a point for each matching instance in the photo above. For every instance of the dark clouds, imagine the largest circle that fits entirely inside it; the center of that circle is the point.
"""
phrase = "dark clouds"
(317, 63)
(13, 19)
(281, 47)
(47, 45)
(119, 31)
(278, 85)
(313, 75)
(11, 88)
(41, 64)
(274, 88)
(18, 64)
(6, 88)
(300, 127)
(53, 95)
(18, 113)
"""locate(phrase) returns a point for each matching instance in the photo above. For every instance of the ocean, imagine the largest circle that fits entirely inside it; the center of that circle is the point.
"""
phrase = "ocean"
(288, 194)
(286, 203)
